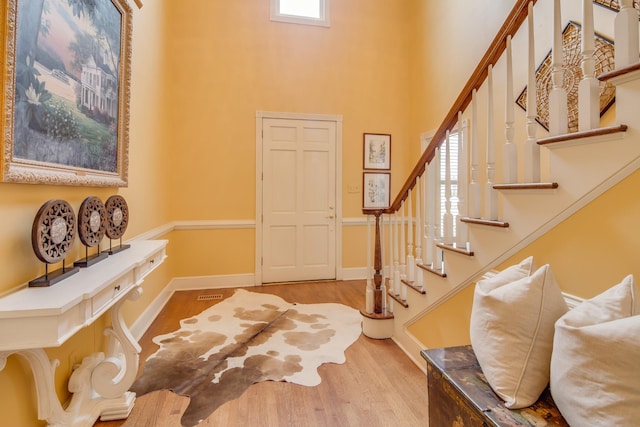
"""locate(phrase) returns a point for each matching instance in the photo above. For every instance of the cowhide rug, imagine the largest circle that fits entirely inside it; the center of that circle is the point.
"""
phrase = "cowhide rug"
(247, 338)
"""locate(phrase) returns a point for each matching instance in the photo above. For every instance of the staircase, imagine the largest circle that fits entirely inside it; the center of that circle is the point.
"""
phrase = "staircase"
(453, 222)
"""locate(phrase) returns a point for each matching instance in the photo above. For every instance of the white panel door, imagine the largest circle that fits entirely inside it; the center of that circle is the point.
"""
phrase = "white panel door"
(299, 200)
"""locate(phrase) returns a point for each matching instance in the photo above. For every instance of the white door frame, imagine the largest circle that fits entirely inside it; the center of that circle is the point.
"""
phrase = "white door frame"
(260, 115)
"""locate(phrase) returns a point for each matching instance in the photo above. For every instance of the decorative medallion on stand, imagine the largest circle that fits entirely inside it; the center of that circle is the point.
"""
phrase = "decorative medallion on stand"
(117, 221)
(92, 218)
(52, 234)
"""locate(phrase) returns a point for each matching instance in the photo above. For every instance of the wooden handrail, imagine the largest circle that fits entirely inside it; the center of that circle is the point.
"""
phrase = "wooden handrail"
(496, 48)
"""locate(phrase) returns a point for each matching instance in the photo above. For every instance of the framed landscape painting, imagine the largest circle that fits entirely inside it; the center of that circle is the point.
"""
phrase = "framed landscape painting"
(67, 89)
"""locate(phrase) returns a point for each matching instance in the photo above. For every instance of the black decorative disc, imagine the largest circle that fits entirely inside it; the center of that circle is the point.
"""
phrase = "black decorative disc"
(53, 231)
(92, 219)
(117, 216)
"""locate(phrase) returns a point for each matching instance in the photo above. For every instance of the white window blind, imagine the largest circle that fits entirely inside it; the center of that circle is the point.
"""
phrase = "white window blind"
(453, 158)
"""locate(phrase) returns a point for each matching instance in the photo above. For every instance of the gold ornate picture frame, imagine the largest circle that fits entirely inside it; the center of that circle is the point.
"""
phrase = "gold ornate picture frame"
(571, 45)
(67, 92)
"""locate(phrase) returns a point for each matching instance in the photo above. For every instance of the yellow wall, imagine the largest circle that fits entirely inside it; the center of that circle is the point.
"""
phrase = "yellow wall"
(146, 197)
(199, 74)
(229, 60)
(201, 69)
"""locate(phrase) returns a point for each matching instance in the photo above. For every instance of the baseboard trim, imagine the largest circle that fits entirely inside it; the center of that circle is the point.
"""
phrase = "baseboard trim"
(354, 273)
(419, 362)
(142, 323)
(213, 282)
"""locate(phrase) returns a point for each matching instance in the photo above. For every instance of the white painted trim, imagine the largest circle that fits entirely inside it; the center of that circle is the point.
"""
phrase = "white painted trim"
(355, 222)
(337, 119)
(339, 219)
(418, 361)
(142, 323)
(299, 116)
(323, 21)
(156, 233)
(215, 224)
(257, 277)
(213, 282)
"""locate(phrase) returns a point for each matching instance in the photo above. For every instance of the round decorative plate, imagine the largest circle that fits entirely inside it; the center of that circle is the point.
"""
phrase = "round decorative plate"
(53, 231)
(117, 216)
(92, 218)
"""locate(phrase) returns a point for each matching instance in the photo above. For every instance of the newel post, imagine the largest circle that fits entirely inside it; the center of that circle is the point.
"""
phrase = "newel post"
(377, 268)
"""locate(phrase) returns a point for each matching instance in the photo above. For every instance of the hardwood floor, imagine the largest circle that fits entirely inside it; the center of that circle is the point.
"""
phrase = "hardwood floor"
(377, 386)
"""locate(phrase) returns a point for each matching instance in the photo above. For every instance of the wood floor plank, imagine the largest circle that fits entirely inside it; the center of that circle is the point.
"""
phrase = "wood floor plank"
(378, 386)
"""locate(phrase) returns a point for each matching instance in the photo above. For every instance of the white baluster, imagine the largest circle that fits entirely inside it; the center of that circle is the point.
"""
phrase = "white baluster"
(432, 183)
(419, 282)
(384, 286)
(448, 217)
(411, 262)
(461, 227)
(626, 35)
(475, 198)
(589, 87)
(558, 110)
(391, 243)
(490, 193)
(396, 263)
(437, 229)
(369, 289)
(531, 147)
(382, 249)
(403, 254)
(510, 150)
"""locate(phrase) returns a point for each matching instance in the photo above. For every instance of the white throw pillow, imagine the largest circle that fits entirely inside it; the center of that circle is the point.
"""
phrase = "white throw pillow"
(512, 326)
(595, 366)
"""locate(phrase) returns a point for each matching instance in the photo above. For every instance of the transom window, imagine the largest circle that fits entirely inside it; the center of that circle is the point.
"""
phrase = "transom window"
(308, 12)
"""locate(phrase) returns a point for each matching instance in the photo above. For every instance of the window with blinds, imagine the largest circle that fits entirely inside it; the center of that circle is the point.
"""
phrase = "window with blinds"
(453, 159)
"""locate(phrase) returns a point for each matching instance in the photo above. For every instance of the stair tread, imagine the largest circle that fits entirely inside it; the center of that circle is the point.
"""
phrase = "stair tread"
(413, 286)
(453, 248)
(527, 186)
(398, 300)
(432, 270)
(619, 72)
(482, 221)
(582, 134)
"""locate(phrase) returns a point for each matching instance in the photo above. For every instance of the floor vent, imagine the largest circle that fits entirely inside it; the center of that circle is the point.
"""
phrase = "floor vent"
(209, 297)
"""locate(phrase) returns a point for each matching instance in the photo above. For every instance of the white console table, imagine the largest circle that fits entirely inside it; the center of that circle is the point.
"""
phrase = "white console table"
(32, 319)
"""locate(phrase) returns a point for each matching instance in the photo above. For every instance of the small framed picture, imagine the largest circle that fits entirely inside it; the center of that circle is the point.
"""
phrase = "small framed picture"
(376, 190)
(377, 151)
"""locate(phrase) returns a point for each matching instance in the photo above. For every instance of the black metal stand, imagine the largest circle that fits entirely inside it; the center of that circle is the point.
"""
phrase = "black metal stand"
(119, 248)
(54, 277)
(89, 260)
